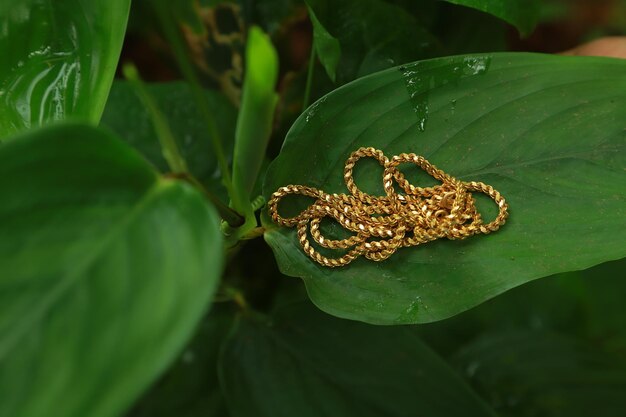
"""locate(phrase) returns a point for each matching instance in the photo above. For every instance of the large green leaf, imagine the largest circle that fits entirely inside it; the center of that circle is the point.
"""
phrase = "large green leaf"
(306, 363)
(105, 269)
(125, 114)
(58, 60)
(522, 14)
(548, 132)
(543, 374)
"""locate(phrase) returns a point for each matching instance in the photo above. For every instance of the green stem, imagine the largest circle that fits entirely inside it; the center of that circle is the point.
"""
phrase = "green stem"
(184, 63)
(169, 148)
(228, 214)
(309, 78)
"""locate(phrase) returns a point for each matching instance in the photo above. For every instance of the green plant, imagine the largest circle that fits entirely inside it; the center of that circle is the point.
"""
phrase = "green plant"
(136, 276)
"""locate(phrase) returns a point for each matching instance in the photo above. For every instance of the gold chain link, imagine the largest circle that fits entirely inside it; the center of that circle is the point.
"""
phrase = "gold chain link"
(419, 216)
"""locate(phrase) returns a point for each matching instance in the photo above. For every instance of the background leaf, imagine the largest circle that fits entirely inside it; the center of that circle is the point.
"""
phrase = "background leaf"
(544, 374)
(127, 117)
(373, 34)
(546, 131)
(326, 46)
(58, 60)
(190, 388)
(523, 14)
(105, 269)
(306, 363)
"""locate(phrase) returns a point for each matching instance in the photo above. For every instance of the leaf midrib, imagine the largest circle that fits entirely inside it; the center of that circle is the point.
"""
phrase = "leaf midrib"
(73, 275)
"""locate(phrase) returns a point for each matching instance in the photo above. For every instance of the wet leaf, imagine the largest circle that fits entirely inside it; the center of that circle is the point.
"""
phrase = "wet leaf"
(58, 60)
(548, 132)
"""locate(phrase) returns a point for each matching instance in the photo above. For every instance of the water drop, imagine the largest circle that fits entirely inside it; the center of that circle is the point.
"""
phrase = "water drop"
(411, 311)
(188, 357)
(471, 369)
(312, 111)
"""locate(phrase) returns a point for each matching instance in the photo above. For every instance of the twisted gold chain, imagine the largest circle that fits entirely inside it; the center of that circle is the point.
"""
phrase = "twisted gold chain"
(420, 215)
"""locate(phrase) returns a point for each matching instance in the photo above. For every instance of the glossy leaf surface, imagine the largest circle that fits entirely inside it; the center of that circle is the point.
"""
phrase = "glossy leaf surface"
(58, 60)
(548, 132)
(306, 363)
(105, 269)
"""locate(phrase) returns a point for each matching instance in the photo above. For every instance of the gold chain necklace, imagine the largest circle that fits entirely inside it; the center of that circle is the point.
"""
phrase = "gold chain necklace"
(419, 216)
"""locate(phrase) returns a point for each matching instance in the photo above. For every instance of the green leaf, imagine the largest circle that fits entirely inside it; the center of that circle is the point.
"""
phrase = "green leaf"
(305, 363)
(473, 31)
(553, 303)
(58, 60)
(127, 117)
(105, 269)
(271, 15)
(254, 124)
(544, 374)
(190, 388)
(523, 14)
(373, 34)
(546, 131)
(326, 45)
(586, 304)
(604, 292)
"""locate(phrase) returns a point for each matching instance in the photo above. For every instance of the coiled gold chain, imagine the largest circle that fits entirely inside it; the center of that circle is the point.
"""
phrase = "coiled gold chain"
(420, 215)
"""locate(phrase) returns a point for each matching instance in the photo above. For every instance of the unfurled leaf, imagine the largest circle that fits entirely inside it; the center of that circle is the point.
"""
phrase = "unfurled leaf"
(548, 132)
(105, 270)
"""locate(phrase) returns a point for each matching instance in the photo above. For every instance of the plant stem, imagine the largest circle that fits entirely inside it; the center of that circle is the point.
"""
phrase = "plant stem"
(180, 52)
(170, 150)
(229, 215)
(309, 78)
